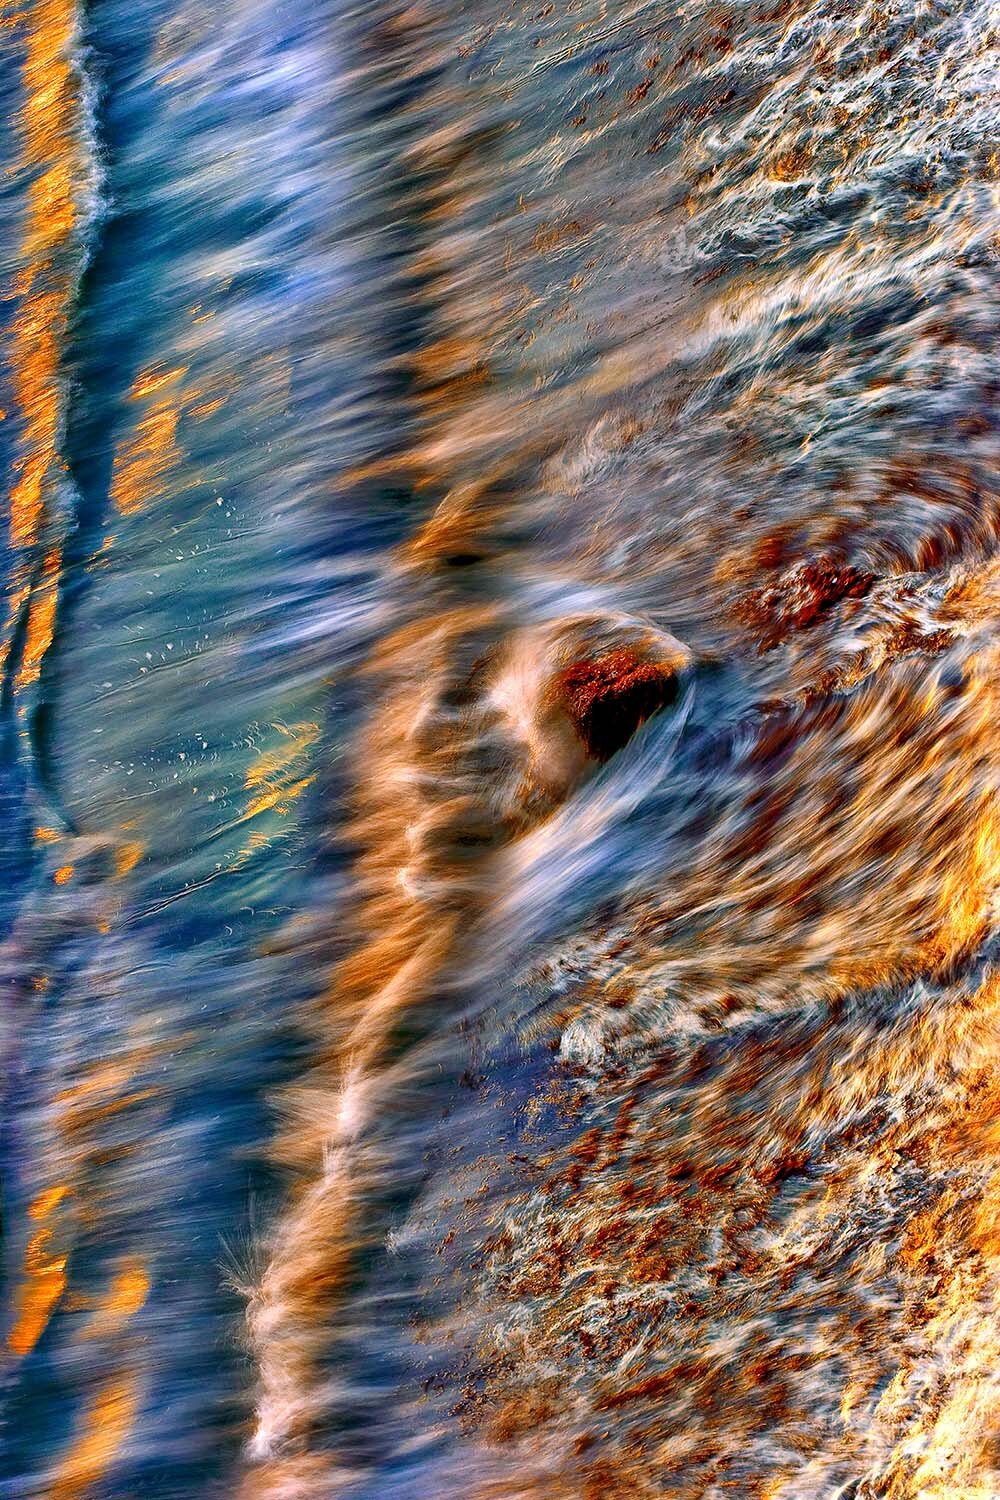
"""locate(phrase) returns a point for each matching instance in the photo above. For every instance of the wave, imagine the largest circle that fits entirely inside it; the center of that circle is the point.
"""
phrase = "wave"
(62, 205)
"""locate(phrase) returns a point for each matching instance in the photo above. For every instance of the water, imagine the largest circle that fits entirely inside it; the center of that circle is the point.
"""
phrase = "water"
(499, 755)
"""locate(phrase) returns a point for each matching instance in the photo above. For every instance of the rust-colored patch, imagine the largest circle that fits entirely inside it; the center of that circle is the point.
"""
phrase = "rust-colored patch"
(609, 696)
(798, 599)
(550, 236)
(789, 165)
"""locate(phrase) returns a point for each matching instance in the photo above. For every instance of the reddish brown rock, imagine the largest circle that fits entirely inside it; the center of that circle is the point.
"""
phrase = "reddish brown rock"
(607, 697)
(799, 597)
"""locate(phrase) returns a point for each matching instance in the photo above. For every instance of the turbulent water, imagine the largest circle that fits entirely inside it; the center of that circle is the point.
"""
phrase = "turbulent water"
(500, 741)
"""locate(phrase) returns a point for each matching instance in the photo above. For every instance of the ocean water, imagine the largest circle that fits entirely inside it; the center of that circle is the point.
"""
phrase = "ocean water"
(499, 752)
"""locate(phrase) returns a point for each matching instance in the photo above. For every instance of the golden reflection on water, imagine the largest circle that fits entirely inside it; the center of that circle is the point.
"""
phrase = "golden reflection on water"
(41, 617)
(127, 856)
(54, 157)
(44, 1276)
(103, 1430)
(152, 452)
(106, 1419)
(125, 1297)
(278, 775)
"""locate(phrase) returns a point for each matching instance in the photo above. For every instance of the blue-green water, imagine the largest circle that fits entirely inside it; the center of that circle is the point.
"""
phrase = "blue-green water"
(199, 636)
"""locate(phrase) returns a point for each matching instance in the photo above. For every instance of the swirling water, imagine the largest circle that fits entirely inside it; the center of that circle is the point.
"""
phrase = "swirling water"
(499, 761)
